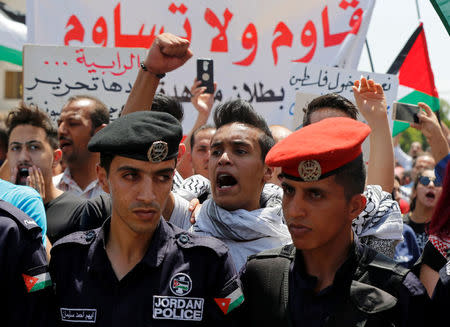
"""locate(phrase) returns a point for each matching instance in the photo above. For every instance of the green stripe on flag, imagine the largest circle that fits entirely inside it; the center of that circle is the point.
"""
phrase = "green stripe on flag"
(10, 55)
(234, 304)
(41, 285)
(414, 98)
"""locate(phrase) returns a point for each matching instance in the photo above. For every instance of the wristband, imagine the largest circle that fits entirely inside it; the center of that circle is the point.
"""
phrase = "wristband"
(144, 68)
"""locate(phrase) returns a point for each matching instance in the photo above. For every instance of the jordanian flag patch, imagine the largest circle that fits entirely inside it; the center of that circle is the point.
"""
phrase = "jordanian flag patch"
(38, 282)
(231, 302)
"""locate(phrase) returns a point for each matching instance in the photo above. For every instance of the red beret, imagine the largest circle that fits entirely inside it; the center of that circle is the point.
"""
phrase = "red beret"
(316, 151)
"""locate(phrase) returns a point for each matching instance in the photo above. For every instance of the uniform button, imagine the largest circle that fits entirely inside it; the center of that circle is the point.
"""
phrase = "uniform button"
(90, 236)
(184, 239)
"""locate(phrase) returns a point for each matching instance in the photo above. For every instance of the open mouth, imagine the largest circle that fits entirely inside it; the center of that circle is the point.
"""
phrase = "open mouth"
(22, 175)
(225, 181)
(430, 195)
(63, 143)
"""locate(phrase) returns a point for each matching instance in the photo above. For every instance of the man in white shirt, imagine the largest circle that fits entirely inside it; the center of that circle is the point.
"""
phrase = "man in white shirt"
(81, 117)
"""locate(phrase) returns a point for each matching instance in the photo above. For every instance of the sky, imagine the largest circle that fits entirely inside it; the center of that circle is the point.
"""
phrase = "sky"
(392, 23)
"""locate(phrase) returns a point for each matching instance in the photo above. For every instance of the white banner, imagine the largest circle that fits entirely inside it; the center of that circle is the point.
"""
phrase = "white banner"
(308, 81)
(252, 43)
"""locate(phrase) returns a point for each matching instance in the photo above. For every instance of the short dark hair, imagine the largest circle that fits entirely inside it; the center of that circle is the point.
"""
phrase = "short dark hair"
(31, 115)
(105, 161)
(198, 130)
(240, 111)
(99, 114)
(3, 137)
(352, 177)
(331, 100)
(165, 103)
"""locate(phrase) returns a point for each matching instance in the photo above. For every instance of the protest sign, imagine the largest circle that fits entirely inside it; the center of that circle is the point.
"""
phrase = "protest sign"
(307, 79)
(252, 43)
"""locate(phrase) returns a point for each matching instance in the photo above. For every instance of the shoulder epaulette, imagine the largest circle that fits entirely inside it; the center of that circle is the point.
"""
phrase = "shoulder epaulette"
(287, 251)
(188, 240)
(20, 217)
(380, 261)
(82, 238)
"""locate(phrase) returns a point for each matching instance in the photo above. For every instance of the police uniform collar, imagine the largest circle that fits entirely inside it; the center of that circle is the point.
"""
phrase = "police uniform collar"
(153, 258)
(158, 246)
(343, 276)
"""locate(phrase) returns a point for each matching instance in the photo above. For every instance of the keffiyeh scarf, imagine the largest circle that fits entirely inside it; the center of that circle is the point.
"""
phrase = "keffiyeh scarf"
(381, 217)
(244, 232)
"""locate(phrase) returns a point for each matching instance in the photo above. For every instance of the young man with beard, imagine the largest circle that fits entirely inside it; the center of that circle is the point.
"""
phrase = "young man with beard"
(327, 277)
(137, 269)
(81, 117)
(33, 152)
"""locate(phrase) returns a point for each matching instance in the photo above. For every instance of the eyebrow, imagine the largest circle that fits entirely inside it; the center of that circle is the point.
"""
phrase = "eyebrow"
(134, 169)
(27, 142)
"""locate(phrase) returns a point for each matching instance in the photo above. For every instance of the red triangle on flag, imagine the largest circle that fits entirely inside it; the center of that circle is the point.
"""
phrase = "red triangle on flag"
(30, 281)
(415, 71)
(223, 304)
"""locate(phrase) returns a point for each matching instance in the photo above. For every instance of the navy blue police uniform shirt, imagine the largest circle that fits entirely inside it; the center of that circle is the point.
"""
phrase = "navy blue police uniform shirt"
(26, 284)
(308, 308)
(182, 280)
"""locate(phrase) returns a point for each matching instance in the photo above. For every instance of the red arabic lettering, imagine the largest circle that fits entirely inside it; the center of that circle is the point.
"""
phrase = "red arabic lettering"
(100, 32)
(76, 32)
(356, 20)
(308, 38)
(330, 40)
(187, 24)
(173, 8)
(131, 40)
(249, 41)
(283, 39)
(220, 42)
(345, 4)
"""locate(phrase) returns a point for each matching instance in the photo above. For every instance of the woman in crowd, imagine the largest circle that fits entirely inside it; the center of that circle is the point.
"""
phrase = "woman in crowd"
(424, 197)
(436, 251)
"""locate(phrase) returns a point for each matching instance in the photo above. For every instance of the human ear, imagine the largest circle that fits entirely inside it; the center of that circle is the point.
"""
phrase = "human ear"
(181, 150)
(57, 154)
(268, 171)
(102, 178)
(356, 205)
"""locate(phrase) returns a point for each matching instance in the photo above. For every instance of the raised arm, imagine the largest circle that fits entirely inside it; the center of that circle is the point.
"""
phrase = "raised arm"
(371, 102)
(167, 53)
(430, 127)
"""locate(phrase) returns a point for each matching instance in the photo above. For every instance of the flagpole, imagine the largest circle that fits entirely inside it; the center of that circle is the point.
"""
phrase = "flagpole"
(370, 56)
(417, 8)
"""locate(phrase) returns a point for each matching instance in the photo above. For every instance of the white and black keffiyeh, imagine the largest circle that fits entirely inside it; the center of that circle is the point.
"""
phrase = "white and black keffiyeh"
(244, 232)
(381, 217)
(177, 181)
(195, 186)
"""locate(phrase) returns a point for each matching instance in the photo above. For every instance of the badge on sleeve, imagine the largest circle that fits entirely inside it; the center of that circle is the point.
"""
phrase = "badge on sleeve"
(37, 282)
(231, 301)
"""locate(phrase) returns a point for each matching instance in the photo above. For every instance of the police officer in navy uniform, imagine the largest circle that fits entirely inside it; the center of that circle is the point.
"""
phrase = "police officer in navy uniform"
(25, 281)
(138, 269)
(327, 277)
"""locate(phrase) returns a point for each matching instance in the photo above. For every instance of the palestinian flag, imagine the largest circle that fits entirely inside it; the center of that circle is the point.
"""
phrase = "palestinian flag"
(13, 34)
(230, 302)
(416, 80)
(38, 282)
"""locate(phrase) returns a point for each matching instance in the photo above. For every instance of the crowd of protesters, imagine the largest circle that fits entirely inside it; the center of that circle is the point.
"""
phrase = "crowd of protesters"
(119, 223)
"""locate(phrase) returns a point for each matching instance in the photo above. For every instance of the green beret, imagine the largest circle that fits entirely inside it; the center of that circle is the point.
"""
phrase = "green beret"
(144, 135)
